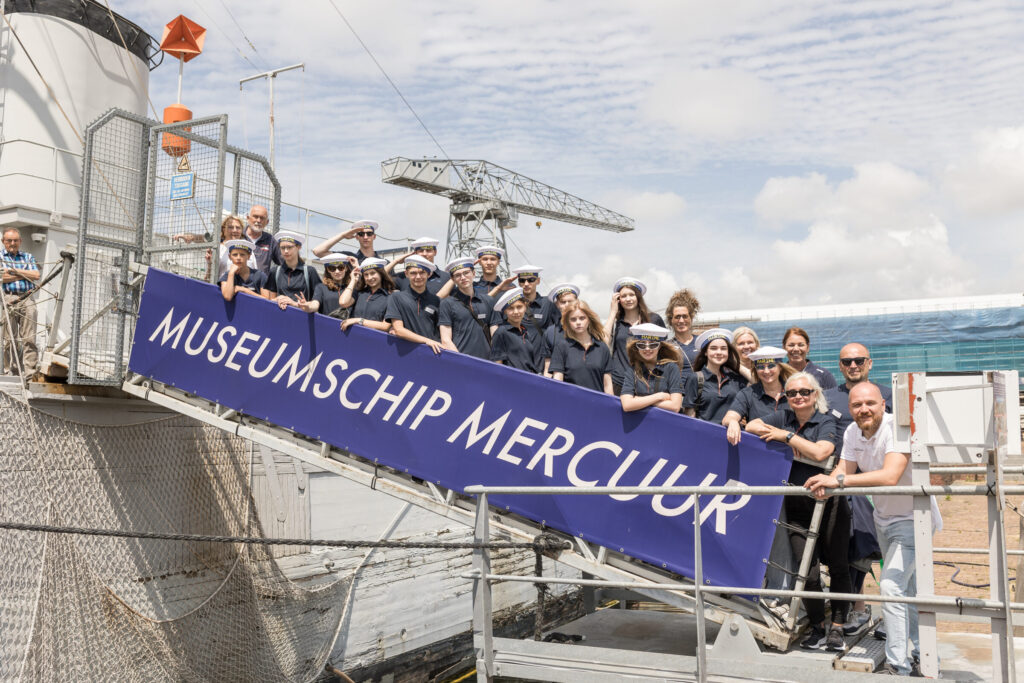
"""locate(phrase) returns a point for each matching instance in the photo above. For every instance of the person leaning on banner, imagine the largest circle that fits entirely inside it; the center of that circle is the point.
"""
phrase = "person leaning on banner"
(365, 233)
(516, 342)
(716, 378)
(413, 314)
(810, 430)
(868, 447)
(654, 377)
(327, 295)
(20, 273)
(562, 295)
(465, 313)
(293, 282)
(581, 357)
(370, 288)
(239, 276)
(764, 396)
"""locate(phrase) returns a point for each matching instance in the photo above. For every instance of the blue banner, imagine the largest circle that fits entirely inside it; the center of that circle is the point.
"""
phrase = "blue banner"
(457, 421)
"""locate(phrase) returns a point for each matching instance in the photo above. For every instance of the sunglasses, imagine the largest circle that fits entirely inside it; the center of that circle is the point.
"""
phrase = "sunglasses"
(647, 345)
(364, 233)
(766, 366)
(847, 362)
(525, 280)
(330, 267)
(426, 248)
(680, 317)
(793, 393)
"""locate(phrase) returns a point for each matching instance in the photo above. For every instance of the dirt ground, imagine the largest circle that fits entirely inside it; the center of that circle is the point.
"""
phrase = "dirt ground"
(965, 525)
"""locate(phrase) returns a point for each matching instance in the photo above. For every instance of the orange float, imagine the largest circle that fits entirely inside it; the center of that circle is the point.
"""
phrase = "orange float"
(182, 39)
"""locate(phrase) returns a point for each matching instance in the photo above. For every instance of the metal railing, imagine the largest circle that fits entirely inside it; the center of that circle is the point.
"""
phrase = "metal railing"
(482, 575)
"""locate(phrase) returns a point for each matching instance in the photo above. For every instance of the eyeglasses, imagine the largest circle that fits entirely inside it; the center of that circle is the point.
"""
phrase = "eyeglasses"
(766, 366)
(525, 280)
(860, 360)
(647, 345)
(793, 393)
(330, 267)
(364, 233)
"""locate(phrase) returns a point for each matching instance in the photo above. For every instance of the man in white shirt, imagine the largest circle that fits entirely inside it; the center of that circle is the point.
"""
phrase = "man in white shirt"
(868, 444)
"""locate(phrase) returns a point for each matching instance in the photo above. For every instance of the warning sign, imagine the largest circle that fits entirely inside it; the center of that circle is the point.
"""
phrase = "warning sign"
(182, 185)
(183, 165)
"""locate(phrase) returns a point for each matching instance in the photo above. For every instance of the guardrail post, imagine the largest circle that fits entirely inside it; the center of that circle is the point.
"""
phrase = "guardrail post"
(920, 475)
(483, 635)
(698, 584)
(1003, 664)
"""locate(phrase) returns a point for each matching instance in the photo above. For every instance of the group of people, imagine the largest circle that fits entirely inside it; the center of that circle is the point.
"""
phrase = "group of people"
(840, 433)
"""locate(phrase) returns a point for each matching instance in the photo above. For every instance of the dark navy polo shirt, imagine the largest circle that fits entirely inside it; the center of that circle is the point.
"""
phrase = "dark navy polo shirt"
(664, 377)
(418, 312)
(819, 427)
(265, 251)
(291, 281)
(839, 403)
(582, 367)
(552, 335)
(824, 377)
(467, 331)
(689, 354)
(540, 314)
(360, 256)
(715, 398)
(255, 282)
(329, 300)
(518, 348)
(753, 403)
(435, 282)
(371, 306)
(483, 286)
(620, 335)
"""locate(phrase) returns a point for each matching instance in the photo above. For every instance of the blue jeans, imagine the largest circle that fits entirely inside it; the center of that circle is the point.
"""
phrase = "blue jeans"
(899, 579)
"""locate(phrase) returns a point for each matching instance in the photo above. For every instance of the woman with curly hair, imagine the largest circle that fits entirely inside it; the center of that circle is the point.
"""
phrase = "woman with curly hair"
(681, 310)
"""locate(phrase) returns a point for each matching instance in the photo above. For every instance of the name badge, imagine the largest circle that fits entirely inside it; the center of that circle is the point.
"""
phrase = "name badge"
(836, 414)
(428, 309)
(482, 316)
(538, 316)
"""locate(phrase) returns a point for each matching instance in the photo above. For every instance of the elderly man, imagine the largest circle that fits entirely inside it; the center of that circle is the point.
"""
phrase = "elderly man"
(868, 445)
(265, 248)
(20, 273)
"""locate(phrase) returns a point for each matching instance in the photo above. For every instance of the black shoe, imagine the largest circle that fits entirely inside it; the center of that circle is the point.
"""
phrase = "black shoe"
(887, 670)
(815, 639)
(879, 632)
(834, 641)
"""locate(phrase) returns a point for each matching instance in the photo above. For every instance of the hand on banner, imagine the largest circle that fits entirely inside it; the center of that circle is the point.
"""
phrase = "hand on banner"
(733, 433)
(434, 345)
(307, 306)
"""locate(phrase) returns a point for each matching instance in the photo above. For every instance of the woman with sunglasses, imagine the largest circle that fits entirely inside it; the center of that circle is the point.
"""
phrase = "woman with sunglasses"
(810, 430)
(763, 396)
(654, 378)
(367, 293)
(516, 343)
(716, 378)
(580, 356)
(746, 340)
(327, 295)
(627, 309)
(681, 310)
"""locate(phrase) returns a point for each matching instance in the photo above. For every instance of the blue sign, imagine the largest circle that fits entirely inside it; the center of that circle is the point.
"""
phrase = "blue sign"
(456, 421)
(183, 185)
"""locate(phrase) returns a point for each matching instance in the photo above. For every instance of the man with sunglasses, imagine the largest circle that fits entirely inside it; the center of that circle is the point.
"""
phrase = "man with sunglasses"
(265, 246)
(855, 364)
(365, 232)
(425, 248)
(541, 312)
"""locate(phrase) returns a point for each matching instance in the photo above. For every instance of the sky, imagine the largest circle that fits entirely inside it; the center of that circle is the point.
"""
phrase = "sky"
(772, 154)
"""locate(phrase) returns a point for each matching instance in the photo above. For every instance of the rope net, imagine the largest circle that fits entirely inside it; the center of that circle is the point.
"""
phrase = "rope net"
(101, 608)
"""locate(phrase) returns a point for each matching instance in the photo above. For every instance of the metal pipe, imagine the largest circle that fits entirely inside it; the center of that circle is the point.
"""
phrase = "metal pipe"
(972, 551)
(953, 489)
(698, 584)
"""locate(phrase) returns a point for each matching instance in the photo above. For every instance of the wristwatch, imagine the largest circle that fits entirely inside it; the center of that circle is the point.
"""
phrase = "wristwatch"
(789, 436)
(841, 479)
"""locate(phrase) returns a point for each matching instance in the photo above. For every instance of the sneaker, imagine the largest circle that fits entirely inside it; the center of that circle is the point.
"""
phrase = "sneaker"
(834, 641)
(879, 632)
(815, 639)
(888, 670)
(915, 668)
(857, 622)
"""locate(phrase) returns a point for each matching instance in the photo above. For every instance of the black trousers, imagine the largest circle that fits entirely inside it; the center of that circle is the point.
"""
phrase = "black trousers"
(832, 549)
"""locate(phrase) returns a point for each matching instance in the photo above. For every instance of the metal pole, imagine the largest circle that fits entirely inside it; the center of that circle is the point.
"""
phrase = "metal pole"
(999, 584)
(698, 583)
(807, 559)
(58, 309)
(483, 635)
(920, 460)
(270, 76)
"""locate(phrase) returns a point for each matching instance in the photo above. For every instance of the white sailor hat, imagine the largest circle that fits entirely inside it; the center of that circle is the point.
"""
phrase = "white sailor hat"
(490, 250)
(528, 270)
(510, 297)
(334, 257)
(767, 354)
(648, 331)
(244, 245)
(366, 225)
(560, 289)
(459, 264)
(424, 243)
(714, 333)
(629, 282)
(289, 236)
(372, 262)
(419, 262)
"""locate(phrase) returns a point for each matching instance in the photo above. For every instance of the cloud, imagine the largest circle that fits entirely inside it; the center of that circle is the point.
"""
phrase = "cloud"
(989, 181)
(722, 104)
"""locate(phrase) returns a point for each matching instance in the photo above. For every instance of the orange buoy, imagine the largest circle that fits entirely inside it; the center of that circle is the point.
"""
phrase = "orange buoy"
(183, 39)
